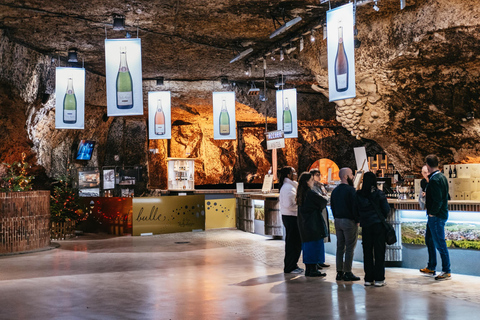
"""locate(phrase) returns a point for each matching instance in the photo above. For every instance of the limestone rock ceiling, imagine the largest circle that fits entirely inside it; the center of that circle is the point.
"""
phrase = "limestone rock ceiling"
(181, 39)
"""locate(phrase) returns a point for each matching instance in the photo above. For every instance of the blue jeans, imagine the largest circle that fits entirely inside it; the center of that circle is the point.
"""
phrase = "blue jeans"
(313, 252)
(436, 229)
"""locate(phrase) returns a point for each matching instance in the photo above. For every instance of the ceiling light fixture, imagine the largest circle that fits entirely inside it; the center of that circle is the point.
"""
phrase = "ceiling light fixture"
(253, 91)
(402, 4)
(72, 55)
(242, 55)
(280, 81)
(285, 27)
(312, 36)
(375, 6)
(118, 23)
(301, 44)
(282, 57)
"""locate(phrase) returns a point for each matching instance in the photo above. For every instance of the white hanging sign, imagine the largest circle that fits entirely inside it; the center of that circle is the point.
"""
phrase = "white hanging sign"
(70, 98)
(159, 115)
(123, 64)
(287, 112)
(224, 116)
(341, 54)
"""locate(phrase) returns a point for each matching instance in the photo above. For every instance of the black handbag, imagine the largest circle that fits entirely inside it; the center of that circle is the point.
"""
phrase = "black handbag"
(390, 236)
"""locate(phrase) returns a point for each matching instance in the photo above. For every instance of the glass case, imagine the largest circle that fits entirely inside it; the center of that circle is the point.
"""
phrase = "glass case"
(181, 174)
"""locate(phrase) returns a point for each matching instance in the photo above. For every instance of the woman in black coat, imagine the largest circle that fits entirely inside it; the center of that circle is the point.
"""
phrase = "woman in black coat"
(368, 201)
(311, 224)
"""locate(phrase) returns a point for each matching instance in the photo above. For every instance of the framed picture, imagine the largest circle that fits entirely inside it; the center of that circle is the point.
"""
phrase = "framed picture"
(88, 178)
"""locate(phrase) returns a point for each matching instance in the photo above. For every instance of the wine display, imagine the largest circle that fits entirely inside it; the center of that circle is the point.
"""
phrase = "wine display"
(224, 116)
(70, 104)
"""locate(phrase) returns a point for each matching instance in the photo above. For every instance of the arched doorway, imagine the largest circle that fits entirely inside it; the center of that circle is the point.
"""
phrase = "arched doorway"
(326, 165)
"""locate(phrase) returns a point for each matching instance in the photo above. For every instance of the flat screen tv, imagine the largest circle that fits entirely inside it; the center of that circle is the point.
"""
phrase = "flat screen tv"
(85, 150)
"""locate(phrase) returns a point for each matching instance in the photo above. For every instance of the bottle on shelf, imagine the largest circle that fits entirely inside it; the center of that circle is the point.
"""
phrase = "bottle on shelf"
(341, 64)
(287, 118)
(124, 83)
(224, 121)
(450, 172)
(454, 175)
(70, 104)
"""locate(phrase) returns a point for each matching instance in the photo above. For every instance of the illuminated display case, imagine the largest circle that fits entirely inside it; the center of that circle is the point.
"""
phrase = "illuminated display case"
(181, 174)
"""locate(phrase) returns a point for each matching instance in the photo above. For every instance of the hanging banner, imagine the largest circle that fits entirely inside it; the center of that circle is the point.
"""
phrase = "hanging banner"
(224, 116)
(159, 115)
(341, 54)
(70, 98)
(287, 112)
(123, 64)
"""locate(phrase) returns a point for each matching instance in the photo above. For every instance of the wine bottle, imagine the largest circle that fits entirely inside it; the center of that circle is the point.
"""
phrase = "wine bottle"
(70, 104)
(450, 172)
(159, 119)
(124, 83)
(454, 171)
(224, 120)
(341, 64)
(287, 118)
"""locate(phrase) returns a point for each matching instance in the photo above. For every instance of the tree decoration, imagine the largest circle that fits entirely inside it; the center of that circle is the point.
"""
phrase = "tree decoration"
(17, 178)
(64, 202)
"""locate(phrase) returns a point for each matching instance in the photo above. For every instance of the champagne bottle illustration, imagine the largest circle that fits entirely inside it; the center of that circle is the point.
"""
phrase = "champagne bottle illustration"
(159, 119)
(224, 120)
(70, 104)
(287, 118)
(124, 83)
(341, 64)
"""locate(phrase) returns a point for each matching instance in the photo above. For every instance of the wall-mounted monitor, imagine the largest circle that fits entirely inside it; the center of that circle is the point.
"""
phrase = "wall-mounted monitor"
(85, 150)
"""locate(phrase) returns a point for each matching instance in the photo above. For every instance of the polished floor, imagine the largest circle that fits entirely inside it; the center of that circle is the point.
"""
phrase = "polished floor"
(218, 274)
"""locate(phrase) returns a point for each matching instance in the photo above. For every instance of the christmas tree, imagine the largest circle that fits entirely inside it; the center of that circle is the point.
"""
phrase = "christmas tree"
(64, 202)
(17, 178)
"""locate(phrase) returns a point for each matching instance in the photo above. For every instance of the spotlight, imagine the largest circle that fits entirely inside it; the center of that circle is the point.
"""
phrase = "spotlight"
(253, 91)
(402, 4)
(375, 6)
(312, 36)
(224, 81)
(118, 23)
(280, 81)
(160, 81)
(72, 55)
(301, 44)
(282, 57)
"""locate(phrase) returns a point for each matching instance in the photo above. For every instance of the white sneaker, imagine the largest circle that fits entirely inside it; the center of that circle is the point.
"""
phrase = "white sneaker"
(380, 283)
(368, 284)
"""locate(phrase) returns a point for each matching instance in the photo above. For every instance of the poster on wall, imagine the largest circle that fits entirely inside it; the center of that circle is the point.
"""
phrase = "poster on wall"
(224, 116)
(70, 98)
(341, 54)
(108, 179)
(123, 64)
(159, 115)
(287, 112)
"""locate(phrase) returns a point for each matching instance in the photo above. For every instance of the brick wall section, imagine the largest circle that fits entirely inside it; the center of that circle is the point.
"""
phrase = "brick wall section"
(24, 221)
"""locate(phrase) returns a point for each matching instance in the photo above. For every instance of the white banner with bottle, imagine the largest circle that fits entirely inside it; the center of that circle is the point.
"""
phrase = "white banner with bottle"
(159, 115)
(224, 116)
(123, 64)
(70, 98)
(341, 54)
(287, 112)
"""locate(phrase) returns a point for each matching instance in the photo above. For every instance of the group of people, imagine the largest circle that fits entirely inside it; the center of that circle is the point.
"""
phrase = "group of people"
(303, 209)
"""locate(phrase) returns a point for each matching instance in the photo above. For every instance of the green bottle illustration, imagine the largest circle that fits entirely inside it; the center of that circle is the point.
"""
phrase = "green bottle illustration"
(70, 104)
(124, 83)
(287, 118)
(224, 120)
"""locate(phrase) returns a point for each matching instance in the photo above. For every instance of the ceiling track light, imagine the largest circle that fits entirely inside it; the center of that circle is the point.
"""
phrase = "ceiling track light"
(285, 27)
(242, 55)
(301, 45)
(375, 6)
(282, 56)
(312, 36)
(72, 55)
(402, 4)
(118, 23)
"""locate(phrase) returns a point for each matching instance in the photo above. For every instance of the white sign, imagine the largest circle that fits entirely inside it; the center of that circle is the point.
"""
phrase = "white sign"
(341, 54)
(159, 115)
(361, 158)
(275, 140)
(70, 98)
(287, 112)
(224, 116)
(123, 64)
(267, 183)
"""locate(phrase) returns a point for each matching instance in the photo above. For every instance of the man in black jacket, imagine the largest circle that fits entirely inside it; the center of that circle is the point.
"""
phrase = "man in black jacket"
(437, 211)
(346, 224)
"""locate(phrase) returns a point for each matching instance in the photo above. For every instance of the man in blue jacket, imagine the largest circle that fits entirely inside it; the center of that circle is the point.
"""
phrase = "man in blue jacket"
(437, 211)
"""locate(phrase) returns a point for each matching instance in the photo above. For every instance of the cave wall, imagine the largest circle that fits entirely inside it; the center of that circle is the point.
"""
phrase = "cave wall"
(418, 80)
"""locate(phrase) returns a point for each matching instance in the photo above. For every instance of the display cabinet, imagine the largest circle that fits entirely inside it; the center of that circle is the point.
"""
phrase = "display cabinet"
(181, 174)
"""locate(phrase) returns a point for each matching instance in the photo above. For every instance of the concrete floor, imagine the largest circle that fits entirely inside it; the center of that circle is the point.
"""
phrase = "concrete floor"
(218, 274)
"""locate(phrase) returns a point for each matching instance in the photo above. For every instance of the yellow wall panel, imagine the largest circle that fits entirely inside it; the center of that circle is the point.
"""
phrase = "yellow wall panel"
(220, 213)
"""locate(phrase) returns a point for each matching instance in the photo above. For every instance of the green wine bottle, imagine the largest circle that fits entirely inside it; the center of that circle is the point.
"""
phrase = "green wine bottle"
(124, 83)
(70, 104)
(287, 118)
(224, 120)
